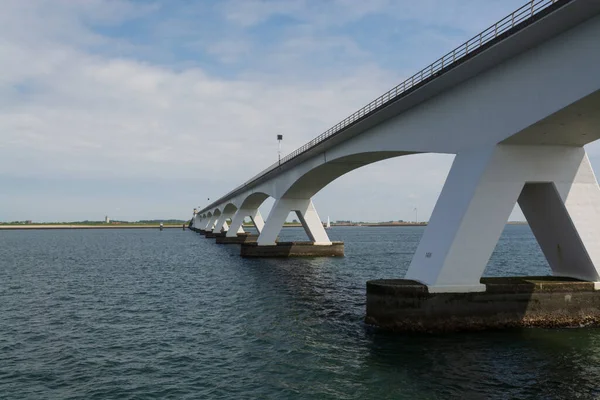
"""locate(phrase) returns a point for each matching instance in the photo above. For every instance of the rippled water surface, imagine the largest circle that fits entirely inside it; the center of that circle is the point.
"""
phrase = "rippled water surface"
(97, 314)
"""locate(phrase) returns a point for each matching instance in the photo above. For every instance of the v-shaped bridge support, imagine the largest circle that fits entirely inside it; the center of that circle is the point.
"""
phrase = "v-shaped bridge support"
(557, 191)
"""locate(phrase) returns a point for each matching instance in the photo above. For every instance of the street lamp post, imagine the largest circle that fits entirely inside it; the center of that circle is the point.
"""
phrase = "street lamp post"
(279, 139)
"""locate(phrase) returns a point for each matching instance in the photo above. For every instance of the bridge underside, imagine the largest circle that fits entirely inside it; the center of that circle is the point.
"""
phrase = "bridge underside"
(575, 125)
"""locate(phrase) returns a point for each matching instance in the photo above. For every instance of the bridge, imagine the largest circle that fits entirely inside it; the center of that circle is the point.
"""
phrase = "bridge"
(515, 104)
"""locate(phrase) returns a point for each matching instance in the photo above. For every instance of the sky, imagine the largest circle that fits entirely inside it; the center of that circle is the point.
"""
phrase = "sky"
(145, 109)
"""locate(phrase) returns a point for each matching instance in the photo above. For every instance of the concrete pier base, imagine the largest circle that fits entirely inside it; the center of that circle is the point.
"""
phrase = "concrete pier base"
(293, 249)
(407, 306)
(212, 235)
(239, 239)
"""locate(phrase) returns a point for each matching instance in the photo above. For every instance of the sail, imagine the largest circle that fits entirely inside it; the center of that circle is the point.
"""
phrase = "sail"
(328, 223)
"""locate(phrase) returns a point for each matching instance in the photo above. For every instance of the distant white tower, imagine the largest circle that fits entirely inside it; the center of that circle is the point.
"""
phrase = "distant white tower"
(106, 220)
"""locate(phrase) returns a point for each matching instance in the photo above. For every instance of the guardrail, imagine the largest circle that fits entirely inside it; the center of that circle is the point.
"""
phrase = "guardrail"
(529, 10)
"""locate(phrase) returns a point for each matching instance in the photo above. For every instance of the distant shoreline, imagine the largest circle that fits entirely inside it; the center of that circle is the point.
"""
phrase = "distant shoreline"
(70, 226)
(180, 226)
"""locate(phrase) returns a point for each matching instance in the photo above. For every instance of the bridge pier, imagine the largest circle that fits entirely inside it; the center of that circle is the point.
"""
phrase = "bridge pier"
(198, 225)
(215, 228)
(238, 220)
(560, 197)
(212, 235)
(307, 215)
(557, 191)
(407, 306)
(319, 244)
(237, 239)
(194, 223)
(221, 224)
(210, 223)
(203, 224)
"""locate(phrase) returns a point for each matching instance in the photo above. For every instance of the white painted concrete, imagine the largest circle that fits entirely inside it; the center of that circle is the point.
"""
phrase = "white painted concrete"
(236, 223)
(478, 196)
(258, 221)
(221, 224)
(238, 220)
(210, 223)
(307, 214)
(564, 216)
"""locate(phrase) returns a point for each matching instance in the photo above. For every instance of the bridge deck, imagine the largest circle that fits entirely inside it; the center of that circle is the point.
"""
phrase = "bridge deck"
(505, 28)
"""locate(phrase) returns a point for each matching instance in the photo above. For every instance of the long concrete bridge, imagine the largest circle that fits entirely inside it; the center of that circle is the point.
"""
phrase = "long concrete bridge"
(515, 104)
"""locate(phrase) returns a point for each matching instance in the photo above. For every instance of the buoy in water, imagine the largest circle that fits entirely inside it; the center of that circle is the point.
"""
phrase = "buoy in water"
(161, 226)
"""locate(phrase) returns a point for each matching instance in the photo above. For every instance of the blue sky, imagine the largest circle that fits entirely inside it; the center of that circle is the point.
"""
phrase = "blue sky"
(144, 109)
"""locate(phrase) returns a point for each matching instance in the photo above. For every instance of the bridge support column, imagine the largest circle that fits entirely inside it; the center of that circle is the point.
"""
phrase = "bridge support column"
(557, 191)
(565, 219)
(210, 223)
(306, 213)
(196, 223)
(257, 220)
(238, 220)
(559, 195)
(221, 224)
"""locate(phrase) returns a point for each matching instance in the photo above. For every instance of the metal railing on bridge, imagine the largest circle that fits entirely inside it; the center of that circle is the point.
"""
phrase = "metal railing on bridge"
(525, 13)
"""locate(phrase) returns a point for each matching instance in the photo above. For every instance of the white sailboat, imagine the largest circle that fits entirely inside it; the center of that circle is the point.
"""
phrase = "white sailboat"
(328, 224)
